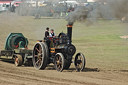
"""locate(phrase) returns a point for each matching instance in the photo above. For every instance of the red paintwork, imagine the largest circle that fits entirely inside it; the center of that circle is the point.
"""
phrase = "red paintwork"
(15, 4)
(5, 2)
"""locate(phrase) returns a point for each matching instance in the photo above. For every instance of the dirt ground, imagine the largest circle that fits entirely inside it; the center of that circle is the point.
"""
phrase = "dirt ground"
(11, 75)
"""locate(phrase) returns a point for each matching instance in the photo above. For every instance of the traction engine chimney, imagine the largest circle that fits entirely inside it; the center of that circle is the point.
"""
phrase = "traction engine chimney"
(69, 32)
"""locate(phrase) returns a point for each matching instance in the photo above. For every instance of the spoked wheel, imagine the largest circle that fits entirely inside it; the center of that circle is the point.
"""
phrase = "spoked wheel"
(79, 62)
(40, 56)
(59, 62)
(18, 60)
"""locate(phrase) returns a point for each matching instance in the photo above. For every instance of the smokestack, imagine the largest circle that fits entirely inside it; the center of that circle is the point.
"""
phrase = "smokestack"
(69, 32)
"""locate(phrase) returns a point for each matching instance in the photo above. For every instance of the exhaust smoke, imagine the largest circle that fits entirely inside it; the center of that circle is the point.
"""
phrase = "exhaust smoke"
(105, 9)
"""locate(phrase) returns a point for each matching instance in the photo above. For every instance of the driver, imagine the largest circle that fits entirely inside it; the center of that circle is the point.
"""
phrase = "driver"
(47, 32)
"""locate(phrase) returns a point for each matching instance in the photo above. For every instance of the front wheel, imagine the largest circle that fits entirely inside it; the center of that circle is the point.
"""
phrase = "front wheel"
(59, 62)
(79, 62)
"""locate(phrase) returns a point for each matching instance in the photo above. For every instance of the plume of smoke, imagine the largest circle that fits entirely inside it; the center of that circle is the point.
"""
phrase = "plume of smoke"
(79, 14)
(106, 9)
(117, 7)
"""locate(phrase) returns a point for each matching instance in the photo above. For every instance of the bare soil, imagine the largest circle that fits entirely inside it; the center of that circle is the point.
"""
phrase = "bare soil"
(12, 75)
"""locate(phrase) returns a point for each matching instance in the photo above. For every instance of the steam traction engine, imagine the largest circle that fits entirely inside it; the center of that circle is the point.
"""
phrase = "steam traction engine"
(59, 51)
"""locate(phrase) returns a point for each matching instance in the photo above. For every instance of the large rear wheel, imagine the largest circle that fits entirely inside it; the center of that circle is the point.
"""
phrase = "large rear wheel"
(79, 62)
(59, 62)
(40, 56)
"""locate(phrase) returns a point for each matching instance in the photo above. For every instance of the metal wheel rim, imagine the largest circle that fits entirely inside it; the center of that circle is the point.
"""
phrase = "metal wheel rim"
(59, 62)
(37, 55)
(79, 62)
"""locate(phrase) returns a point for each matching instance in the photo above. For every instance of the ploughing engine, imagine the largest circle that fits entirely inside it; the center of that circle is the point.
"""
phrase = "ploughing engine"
(16, 46)
(58, 50)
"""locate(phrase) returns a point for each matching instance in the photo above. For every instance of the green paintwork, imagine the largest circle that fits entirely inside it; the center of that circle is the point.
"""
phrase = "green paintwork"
(15, 41)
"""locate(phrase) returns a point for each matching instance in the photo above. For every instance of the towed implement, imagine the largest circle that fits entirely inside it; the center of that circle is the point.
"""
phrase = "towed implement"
(16, 46)
(58, 50)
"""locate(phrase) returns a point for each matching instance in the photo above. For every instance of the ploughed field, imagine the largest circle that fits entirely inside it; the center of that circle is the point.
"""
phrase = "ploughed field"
(106, 53)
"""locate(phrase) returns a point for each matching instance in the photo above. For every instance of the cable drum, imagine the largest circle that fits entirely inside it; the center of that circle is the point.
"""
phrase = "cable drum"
(16, 41)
